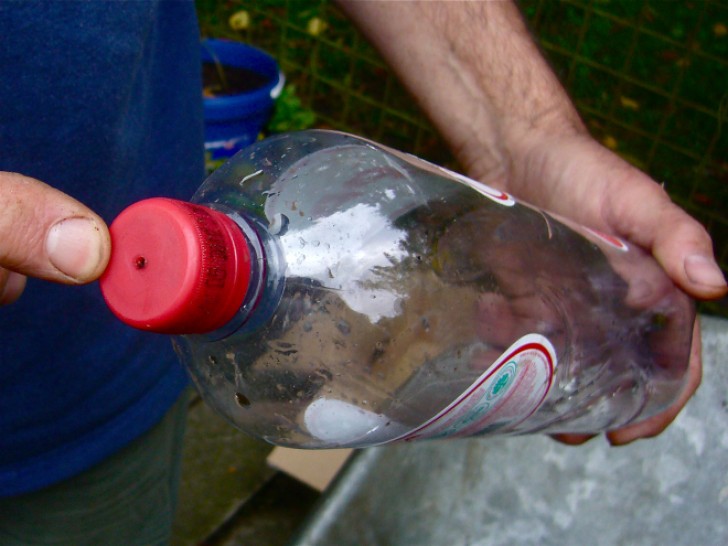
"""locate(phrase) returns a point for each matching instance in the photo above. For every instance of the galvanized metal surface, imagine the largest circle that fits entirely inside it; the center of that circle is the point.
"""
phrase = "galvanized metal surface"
(672, 489)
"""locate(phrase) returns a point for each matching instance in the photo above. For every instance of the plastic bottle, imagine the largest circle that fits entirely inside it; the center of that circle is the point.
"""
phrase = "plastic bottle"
(326, 291)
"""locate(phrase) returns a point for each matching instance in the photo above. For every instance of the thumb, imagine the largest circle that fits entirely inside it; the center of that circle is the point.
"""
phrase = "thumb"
(595, 187)
(47, 234)
(680, 243)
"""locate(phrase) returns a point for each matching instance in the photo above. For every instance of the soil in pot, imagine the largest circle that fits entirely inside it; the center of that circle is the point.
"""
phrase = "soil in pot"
(224, 80)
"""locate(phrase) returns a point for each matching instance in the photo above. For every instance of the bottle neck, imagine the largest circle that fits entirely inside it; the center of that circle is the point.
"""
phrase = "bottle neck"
(267, 280)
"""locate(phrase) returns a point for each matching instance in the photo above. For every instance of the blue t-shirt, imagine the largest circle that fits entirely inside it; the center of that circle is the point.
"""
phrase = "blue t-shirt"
(101, 100)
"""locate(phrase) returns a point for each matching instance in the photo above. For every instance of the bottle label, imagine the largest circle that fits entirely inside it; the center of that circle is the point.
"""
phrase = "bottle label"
(611, 240)
(505, 395)
(497, 196)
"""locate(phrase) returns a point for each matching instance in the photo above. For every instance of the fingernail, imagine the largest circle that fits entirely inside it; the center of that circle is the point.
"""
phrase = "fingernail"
(704, 271)
(74, 247)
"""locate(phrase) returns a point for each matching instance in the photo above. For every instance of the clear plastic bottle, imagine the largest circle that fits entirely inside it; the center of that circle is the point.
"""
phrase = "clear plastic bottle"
(326, 291)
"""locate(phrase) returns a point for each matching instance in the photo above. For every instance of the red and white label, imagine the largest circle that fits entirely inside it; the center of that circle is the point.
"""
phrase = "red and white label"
(611, 240)
(509, 392)
(500, 197)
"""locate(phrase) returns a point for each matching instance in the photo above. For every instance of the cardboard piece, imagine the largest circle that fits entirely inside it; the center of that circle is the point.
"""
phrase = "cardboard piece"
(314, 467)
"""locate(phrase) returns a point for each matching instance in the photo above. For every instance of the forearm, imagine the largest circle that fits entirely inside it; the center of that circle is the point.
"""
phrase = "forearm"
(478, 74)
(474, 69)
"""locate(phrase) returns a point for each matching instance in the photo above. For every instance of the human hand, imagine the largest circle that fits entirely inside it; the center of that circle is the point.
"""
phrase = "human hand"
(582, 300)
(573, 175)
(47, 234)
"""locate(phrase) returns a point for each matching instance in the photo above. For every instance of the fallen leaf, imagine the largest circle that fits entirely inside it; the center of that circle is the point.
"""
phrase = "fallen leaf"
(628, 103)
(316, 26)
(239, 20)
(610, 142)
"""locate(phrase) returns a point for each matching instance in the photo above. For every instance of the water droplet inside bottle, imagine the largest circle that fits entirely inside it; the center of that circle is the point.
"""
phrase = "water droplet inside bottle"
(278, 224)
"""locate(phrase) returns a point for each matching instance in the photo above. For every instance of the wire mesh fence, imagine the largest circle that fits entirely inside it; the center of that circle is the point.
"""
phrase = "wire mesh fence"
(649, 77)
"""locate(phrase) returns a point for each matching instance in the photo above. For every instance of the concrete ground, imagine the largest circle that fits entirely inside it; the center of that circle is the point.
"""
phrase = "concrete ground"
(229, 496)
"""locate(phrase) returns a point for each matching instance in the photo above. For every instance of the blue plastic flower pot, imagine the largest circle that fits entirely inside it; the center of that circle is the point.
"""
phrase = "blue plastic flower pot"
(234, 121)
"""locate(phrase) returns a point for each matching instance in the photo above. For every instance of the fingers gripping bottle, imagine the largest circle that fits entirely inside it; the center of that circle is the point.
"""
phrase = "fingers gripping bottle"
(325, 291)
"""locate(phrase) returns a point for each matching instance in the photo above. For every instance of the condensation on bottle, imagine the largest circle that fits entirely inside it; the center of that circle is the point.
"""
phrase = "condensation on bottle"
(326, 291)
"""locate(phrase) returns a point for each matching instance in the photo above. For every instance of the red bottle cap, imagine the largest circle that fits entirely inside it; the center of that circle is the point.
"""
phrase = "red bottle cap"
(176, 267)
